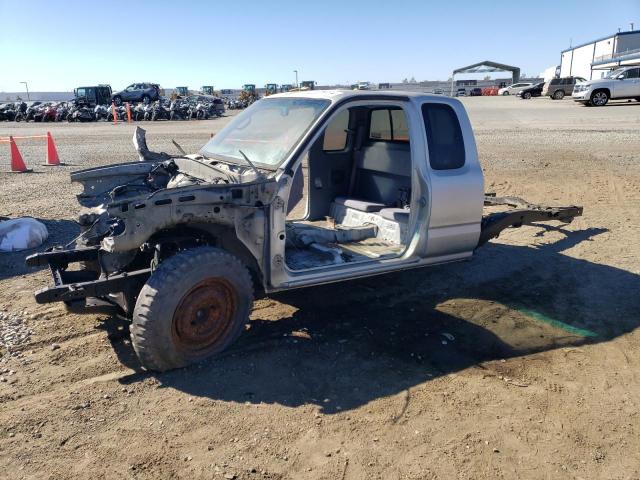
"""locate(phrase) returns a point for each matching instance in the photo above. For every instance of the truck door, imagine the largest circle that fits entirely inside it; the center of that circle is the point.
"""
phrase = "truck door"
(455, 179)
(628, 85)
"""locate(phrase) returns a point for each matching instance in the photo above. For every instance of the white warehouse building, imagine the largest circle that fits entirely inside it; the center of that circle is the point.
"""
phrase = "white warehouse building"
(594, 59)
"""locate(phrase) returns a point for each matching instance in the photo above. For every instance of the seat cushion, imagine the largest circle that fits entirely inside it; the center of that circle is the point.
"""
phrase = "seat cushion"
(362, 205)
(395, 214)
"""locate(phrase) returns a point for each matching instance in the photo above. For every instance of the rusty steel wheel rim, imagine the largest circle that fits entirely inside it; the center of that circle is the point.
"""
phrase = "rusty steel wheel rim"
(204, 316)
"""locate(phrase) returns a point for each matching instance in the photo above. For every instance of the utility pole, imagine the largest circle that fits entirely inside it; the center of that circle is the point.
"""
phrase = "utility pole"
(296, 72)
(27, 87)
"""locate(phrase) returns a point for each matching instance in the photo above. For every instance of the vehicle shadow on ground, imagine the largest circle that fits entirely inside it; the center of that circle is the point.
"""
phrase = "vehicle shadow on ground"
(347, 344)
(61, 232)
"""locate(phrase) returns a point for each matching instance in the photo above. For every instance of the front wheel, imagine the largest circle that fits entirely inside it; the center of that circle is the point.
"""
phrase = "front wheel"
(505, 94)
(599, 98)
(526, 95)
(558, 95)
(194, 305)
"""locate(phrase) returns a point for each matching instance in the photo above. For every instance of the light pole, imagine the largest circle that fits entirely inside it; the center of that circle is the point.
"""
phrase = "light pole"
(27, 87)
(296, 72)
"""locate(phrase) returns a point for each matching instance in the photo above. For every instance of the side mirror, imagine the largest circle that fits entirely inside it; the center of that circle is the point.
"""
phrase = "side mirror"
(620, 77)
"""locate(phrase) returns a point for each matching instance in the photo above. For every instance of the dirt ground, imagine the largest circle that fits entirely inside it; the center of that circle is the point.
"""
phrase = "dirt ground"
(537, 377)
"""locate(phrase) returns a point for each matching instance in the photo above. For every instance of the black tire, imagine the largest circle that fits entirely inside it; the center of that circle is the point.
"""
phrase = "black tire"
(505, 94)
(19, 118)
(558, 95)
(526, 95)
(194, 305)
(599, 98)
(117, 100)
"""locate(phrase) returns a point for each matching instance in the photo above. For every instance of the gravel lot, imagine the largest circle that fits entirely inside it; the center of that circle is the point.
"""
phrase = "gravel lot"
(536, 377)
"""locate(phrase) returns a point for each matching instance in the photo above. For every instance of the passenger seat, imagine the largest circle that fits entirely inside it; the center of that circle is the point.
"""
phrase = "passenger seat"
(400, 215)
(362, 205)
(382, 170)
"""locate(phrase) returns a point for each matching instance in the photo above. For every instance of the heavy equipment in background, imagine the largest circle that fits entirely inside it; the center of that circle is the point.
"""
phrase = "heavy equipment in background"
(270, 89)
(180, 92)
(207, 90)
(286, 88)
(307, 85)
(92, 96)
(248, 94)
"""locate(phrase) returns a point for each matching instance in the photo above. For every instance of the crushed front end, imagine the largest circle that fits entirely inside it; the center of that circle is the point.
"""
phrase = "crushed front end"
(134, 215)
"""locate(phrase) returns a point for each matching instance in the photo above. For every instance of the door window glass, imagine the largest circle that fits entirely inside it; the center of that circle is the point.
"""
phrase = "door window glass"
(633, 73)
(335, 135)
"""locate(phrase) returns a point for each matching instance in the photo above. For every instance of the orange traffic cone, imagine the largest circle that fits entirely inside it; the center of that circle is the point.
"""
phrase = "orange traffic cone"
(52, 153)
(17, 164)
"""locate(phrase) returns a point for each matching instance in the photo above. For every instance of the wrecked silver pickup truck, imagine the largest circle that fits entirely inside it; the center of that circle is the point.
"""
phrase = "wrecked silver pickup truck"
(382, 182)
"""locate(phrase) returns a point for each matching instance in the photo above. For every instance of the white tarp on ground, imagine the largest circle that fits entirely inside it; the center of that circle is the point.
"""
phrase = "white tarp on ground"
(21, 234)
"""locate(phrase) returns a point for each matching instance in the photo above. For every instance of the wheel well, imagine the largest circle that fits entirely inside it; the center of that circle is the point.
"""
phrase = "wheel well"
(606, 90)
(184, 236)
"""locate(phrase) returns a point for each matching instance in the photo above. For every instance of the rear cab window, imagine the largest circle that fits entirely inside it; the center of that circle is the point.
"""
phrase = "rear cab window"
(444, 136)
(388, 124)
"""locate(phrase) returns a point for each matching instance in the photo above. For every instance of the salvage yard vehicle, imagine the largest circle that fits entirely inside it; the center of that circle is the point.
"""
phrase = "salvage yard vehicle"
(532, 91)
(513, 89)
(138, 92)
(181, 242)
(92, 96)
(623, 83)
(558, 88)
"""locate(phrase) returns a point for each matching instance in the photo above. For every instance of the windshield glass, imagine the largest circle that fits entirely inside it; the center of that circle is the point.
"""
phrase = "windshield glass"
(614, 73)
(267, 131)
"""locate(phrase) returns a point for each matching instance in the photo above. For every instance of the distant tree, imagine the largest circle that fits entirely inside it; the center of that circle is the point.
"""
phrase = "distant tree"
(413, 80)
(487, 77)
(405, 80)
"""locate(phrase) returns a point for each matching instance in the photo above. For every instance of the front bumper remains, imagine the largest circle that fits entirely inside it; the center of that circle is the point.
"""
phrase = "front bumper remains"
(73, 286)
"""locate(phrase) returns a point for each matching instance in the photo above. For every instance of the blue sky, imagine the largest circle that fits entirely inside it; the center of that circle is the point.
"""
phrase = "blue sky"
(60, 45)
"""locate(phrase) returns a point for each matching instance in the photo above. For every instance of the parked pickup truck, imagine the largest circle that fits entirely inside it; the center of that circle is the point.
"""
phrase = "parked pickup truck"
(181, 242)
(617, 84)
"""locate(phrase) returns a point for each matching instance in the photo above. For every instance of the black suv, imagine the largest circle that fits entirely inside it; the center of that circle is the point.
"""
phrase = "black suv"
(138, 92)
(92, 96)
(532, 91)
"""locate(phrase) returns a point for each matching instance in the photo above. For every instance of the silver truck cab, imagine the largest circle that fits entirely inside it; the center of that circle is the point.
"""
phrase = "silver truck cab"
(405, 163)
(300, 189)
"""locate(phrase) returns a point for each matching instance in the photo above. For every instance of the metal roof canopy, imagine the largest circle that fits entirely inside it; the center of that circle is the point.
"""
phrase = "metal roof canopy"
(487, 66)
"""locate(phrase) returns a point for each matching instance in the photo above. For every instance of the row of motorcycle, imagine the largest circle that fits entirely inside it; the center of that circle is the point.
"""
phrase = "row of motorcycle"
(71, 111)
